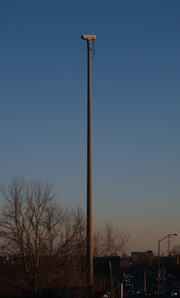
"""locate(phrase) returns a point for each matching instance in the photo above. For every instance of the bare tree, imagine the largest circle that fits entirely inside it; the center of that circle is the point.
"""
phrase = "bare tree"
(176, 250)
(113, 240)
(39, 234)
(97, 243)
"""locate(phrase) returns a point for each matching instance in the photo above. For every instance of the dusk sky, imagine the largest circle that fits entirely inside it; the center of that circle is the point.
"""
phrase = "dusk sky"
(135, 108)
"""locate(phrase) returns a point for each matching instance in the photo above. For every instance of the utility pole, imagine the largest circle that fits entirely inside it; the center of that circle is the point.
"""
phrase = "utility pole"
(144, 282)
(89, 38)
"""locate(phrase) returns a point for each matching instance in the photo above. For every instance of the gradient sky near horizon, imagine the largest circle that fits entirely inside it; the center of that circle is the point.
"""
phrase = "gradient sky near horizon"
(135, 108)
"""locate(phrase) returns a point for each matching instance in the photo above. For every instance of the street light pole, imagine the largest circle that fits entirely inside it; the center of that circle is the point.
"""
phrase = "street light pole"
(159, 240)
(89, 38)
(158, 264)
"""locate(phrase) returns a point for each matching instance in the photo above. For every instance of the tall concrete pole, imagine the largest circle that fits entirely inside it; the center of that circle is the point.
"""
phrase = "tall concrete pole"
(89, 176)
(89, 166)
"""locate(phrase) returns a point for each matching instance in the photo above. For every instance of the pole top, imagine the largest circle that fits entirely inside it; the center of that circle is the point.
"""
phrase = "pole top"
(88, 37)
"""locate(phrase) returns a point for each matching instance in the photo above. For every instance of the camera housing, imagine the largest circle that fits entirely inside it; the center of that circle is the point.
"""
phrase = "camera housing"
(88, 37)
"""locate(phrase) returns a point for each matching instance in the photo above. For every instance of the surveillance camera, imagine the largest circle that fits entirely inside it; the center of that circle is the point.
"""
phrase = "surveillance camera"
(88, 37)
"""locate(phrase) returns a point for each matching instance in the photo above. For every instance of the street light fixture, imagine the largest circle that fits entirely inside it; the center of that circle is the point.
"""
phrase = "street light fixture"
(159, 240)
(89, 38)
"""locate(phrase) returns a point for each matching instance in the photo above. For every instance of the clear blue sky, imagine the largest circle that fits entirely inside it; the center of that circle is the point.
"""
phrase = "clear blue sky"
(135, 108)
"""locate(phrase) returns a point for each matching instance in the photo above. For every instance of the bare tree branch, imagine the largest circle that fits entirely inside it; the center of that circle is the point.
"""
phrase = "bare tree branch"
(39, 233)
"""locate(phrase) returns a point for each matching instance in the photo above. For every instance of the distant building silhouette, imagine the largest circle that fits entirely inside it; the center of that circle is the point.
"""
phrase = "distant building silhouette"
(138, 257)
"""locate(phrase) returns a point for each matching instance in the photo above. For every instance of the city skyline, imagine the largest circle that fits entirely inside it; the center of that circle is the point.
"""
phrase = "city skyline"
(135, 108)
